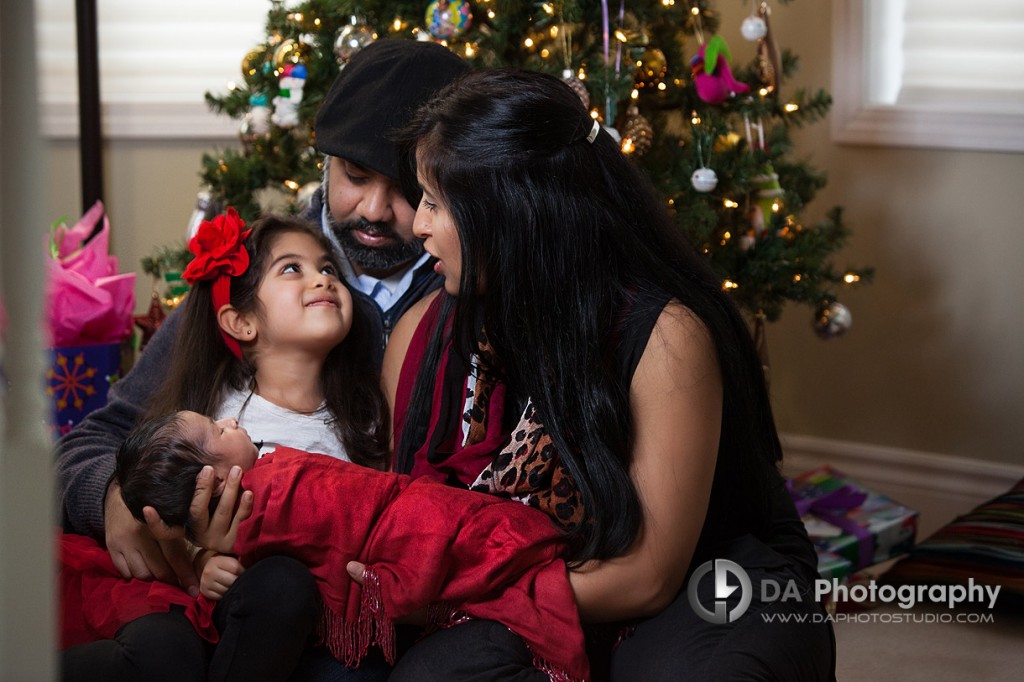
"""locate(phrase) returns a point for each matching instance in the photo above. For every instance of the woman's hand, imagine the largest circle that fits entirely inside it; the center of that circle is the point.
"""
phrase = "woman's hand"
(215, 533)
(138, 553)
(219, 573)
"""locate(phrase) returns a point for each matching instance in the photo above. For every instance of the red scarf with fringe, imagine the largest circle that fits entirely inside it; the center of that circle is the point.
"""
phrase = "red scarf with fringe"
(460, 553)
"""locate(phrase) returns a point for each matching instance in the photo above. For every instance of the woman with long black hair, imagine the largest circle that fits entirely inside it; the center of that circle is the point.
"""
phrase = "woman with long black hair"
(583, 359)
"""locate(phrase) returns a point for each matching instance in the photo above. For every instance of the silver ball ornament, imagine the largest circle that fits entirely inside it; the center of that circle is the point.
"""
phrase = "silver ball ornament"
(832, 319)
(352, 37)
(754, 28)
(704, 179)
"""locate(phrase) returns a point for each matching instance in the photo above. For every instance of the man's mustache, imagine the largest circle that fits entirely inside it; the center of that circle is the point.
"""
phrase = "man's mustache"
(375, 229)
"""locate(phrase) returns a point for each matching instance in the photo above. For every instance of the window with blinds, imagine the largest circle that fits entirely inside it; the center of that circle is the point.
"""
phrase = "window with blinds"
(156, 60)
(931, 73)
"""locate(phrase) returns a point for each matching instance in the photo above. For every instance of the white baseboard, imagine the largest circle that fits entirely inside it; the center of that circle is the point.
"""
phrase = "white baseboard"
(940, 487)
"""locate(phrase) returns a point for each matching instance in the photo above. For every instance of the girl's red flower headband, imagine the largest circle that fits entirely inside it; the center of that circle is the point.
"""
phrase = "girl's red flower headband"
(219, 256)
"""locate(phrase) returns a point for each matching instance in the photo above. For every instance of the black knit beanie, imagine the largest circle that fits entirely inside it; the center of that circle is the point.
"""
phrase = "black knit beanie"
(375, 95)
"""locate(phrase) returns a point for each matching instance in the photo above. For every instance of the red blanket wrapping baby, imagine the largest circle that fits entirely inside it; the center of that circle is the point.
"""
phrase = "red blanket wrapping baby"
(424, 544)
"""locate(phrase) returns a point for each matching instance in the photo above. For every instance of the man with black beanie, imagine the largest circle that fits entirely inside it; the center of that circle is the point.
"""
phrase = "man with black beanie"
(360, 205)
(365, 214)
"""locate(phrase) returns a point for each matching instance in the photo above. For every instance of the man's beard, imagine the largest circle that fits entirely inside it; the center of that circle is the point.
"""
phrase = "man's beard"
(389, 256)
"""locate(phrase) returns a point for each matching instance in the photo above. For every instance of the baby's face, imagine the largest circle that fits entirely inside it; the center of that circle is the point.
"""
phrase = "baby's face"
(225, 439)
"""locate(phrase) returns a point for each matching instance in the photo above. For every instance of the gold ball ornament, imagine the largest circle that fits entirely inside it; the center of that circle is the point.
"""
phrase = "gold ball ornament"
(291, 51)
(637, 133)
(651, 67)
(252, 63)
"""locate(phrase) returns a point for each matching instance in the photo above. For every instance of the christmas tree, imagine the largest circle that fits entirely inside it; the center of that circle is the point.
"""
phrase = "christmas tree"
(712, 136)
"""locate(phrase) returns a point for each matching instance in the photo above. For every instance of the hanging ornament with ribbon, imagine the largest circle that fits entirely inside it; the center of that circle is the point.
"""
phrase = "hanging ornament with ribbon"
(767, 64)
(568, 75)
(703, 179)
(754, 27)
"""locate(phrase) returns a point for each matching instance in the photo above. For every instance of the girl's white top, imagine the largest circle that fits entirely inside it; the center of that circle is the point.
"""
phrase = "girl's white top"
(271, 426)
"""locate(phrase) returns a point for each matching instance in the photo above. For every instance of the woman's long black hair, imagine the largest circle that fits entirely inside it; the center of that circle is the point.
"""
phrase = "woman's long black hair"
(202, 367)
(556, 233)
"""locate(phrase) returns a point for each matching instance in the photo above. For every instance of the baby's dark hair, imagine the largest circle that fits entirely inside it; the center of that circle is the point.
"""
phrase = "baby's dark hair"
(157, 467)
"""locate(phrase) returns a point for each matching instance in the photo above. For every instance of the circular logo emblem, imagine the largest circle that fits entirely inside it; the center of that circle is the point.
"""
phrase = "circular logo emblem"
(722, 569)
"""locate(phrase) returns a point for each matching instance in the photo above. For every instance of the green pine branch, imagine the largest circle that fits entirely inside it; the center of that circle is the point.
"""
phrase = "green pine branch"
(788, 262)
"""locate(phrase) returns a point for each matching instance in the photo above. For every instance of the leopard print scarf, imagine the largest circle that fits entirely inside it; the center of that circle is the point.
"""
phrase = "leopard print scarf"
(529, 470)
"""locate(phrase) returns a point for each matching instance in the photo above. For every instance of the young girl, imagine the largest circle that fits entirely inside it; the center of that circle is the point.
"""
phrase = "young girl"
(271, 338)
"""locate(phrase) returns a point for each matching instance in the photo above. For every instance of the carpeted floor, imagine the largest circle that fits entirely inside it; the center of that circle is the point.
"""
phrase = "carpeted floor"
(872, 645)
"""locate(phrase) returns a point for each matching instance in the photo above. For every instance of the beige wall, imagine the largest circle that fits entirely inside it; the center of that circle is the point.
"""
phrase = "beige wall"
(934, 361)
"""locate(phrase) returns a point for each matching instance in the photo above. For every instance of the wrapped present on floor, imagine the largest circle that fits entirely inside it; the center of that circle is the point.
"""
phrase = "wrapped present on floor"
(88, 312)
(78, 379)
(851, 521)
(832, 565)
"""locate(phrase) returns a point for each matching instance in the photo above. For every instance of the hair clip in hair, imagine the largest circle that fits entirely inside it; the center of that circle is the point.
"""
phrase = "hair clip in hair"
(592, 135)
(219, 256)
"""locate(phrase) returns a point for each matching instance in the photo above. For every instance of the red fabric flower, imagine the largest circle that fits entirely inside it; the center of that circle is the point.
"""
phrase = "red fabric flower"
(218, 248)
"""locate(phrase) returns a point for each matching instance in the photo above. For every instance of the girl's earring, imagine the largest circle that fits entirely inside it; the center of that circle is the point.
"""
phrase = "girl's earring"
(248, 332)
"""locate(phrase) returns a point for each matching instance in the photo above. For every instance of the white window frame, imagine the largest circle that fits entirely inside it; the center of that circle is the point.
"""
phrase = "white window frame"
(857, 120)
(214, 33)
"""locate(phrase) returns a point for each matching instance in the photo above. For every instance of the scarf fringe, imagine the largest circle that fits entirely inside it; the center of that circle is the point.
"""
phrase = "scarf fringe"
(554, 674)
(349, 641)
